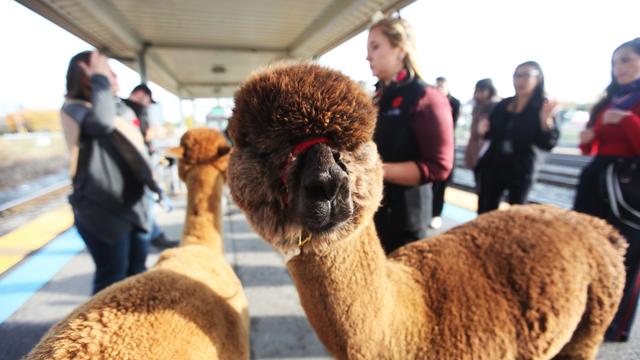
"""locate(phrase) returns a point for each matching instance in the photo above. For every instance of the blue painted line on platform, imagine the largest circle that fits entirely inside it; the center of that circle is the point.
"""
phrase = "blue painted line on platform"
(17, 286)
(22, 282)
(458, 213)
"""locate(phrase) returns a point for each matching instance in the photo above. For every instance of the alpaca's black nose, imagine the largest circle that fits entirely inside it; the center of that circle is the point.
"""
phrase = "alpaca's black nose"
(322, 177)
(324, 197)
(325, 184)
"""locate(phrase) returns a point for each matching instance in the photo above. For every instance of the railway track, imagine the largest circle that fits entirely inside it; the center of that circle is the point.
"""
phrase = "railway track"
(556, 184)
(20, 210)
(40, 194)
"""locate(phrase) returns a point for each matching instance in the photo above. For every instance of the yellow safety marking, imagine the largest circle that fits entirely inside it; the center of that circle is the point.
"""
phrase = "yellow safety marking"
(17, 244)
(465, 199)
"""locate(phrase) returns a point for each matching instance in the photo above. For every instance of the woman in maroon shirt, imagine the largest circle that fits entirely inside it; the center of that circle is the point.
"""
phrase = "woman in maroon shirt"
(613, 132)
(414, 134)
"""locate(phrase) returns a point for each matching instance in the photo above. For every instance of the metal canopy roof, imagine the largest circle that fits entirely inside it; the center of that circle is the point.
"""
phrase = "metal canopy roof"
(206, 48)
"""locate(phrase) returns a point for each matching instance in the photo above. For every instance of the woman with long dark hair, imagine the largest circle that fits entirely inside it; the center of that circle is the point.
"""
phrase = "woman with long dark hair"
(612, 134)
(414, 134)
(484, 100)
(109, 171)
(516, 125)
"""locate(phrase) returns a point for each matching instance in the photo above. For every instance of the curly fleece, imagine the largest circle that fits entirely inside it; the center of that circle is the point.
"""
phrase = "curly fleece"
(299, 102)
(532, 282)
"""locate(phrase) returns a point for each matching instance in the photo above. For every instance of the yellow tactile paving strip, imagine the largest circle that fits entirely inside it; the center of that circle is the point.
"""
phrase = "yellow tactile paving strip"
(461, 198)
(465, 199)
(19, 243)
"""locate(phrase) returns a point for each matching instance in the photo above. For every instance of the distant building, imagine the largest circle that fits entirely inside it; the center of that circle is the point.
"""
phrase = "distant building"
(33, 120)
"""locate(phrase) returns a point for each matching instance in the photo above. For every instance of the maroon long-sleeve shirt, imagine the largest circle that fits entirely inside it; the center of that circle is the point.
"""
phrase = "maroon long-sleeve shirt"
(433, 125)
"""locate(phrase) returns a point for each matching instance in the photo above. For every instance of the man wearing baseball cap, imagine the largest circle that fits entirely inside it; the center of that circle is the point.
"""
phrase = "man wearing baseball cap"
(139, 101)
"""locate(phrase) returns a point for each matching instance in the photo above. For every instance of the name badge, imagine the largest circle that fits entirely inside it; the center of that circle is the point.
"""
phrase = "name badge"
(393, 112)
(507, 147)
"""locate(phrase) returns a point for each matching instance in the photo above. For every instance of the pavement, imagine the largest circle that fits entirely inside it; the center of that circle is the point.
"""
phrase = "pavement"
(279, 328)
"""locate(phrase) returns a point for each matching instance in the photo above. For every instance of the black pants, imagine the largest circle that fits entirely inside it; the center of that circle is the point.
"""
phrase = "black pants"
(439, 188)
(491, 186)
(590, 199)
(404, 216)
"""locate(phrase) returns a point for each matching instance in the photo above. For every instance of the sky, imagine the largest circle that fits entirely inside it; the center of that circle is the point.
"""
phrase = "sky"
(463, 40)
(34, 61)
(467, 40)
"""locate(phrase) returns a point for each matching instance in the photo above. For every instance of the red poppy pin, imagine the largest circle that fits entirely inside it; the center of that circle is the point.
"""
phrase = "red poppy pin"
(401, 75)
(396, 102)
(136, 122)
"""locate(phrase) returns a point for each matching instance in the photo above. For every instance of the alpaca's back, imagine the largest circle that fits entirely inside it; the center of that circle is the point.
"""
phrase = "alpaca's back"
(527, 274)
(190, 305)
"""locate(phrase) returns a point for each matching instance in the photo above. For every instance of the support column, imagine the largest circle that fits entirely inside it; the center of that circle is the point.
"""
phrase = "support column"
(142, 63)
(181, 111)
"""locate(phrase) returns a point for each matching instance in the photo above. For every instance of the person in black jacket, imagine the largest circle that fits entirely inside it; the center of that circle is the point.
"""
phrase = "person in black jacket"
(439, 187)
(516, 127)
(414, 134)
(139, 101)
(109, 170)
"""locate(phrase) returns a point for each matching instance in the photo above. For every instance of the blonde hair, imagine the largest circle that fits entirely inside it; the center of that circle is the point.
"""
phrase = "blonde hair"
(400, 34)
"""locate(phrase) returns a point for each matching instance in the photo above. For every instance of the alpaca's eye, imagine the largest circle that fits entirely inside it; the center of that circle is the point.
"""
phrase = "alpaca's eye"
(259, 153)
(338, 160)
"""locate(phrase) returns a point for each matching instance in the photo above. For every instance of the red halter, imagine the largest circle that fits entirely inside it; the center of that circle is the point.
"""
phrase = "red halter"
(297, 150)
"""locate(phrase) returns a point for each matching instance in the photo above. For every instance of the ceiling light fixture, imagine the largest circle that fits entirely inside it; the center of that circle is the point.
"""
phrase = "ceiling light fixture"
(218, 69)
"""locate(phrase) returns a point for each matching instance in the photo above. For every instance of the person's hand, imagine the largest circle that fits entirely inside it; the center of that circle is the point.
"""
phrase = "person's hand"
(97, 65)
(613, 116)
(165, 203)
(547, 112)
(586, 136)
(483, 126)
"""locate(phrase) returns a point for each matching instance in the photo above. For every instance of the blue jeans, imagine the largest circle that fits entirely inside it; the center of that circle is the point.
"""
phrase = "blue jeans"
(155, 229)
(117, 259)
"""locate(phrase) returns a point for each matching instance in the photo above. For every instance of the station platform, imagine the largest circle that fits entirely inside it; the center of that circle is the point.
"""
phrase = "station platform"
(45, 272)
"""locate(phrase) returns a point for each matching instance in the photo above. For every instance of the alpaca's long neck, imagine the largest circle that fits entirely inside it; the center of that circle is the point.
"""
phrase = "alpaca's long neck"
(355, 297)
(203, 224)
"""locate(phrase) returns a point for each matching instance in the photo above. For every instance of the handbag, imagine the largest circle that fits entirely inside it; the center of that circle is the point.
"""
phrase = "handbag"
(623, 190)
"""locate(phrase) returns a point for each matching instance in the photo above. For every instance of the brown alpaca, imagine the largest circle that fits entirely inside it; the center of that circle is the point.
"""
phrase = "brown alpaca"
(190, 305)
(202, 166)
(532, 282)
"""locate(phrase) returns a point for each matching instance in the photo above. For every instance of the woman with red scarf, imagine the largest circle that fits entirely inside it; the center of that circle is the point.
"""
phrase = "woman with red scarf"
(612, 133)
(414, 134)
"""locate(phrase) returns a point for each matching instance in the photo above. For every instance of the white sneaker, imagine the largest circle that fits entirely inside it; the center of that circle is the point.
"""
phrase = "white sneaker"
(436, 223)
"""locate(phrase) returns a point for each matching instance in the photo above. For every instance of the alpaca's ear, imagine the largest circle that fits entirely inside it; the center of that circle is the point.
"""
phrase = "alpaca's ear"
(224, 150)
(175, 152)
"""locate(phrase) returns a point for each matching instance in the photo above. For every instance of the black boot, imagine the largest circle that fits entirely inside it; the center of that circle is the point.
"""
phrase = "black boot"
(162, 242)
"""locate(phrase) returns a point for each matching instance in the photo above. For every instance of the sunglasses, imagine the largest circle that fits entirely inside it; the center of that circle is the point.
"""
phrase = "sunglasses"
(526, 74)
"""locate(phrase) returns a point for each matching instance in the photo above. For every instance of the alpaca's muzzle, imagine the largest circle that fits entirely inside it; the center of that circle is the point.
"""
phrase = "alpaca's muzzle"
(323, 198)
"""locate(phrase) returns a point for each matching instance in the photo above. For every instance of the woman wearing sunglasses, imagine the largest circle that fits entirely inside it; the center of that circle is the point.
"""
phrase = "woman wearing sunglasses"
(516, 127)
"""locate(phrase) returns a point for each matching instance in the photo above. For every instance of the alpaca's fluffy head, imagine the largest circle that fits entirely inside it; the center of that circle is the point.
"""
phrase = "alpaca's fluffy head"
(301, 131)
(199, 147)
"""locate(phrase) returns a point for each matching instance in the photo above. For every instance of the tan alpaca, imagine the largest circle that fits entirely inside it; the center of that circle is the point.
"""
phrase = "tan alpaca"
(190, 305)
(532, 282)
(203, 163)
